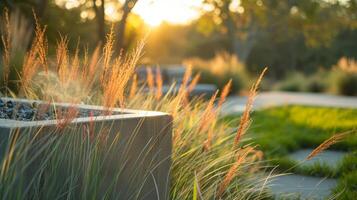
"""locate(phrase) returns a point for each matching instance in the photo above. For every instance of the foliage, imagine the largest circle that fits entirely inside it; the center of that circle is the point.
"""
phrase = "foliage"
(220, 69)
(302, 36)
(299, 82)
(204, 150)
(294, 82)
(344, 78)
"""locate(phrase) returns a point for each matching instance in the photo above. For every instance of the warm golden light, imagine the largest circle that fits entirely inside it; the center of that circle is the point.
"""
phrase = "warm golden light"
(154, 12)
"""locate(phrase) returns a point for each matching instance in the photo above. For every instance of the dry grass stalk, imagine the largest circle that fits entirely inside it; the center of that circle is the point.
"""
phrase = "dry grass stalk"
(115, 81)
(150, 79)
(233, 169)
(193, 83)
(209, 114)
(29, 69)
(224, 94)
(33, 58)
(6, 40)
(185, 80)
(207, 143)
(42, 44)
(159, 84)
(327, 143)
(89, 71)
(245, 119)
(183, 91)
(134, 86)
(62, 60)
(182, 95)
(107, 53)
(74, 69)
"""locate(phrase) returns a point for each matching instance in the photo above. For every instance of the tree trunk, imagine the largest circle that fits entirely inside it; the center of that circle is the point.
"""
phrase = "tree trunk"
(127, 7)
(42, 5)
(100, 17)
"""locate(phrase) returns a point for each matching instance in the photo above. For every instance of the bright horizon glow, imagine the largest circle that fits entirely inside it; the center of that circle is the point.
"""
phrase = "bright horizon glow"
(154, 12)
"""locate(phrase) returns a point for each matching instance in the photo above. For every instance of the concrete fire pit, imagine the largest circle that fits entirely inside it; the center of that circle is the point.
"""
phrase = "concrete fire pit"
(144, 136)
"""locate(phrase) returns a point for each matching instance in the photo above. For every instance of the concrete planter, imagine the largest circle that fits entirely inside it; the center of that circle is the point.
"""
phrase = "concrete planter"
(144, 136)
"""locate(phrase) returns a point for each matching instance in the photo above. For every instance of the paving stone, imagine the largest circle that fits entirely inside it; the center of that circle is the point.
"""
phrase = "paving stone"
(328, 157)
(303, 187)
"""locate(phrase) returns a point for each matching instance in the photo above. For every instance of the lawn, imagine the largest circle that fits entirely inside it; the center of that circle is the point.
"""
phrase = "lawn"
(282, 130)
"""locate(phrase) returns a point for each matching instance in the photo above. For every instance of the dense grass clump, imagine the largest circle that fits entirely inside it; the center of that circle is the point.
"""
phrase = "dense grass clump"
(208, 161)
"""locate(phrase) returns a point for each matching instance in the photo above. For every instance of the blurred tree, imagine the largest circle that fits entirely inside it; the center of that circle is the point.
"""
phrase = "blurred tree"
(126, 9)
(239, 22)
(100, 17)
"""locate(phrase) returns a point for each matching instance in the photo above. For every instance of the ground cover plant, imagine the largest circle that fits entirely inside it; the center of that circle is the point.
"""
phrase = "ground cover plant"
(283, 130)
(208, 161)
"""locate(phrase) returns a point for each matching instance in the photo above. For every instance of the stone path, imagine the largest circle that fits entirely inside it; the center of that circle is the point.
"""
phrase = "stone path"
(304, 187)
(328, 157)
(236, 104)
(298, 186)
(307, 187)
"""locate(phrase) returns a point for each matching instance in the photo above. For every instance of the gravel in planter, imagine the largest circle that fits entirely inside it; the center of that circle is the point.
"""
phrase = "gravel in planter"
(34, 112)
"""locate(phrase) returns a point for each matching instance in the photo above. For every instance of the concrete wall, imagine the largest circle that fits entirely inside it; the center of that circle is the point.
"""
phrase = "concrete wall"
(144, 147)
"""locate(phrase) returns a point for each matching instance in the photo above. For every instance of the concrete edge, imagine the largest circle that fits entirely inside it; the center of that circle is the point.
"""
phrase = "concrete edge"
(125, 114)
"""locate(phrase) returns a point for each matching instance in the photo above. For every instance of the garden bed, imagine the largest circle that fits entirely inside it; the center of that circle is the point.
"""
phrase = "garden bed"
(140, 158)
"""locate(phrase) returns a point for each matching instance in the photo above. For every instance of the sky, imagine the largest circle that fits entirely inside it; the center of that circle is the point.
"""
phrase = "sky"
(155, 12)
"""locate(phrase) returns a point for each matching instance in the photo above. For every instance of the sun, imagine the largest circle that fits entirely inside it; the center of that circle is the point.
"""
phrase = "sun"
(154, 12)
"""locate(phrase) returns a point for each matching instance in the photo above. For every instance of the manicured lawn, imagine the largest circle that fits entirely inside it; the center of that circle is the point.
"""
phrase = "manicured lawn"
(281, 130)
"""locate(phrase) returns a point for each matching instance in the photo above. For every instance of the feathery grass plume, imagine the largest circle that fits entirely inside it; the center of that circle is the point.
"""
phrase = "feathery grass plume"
(186, 78)
(245, 119)
(159, 83)
(74, 68)
(150, 79)
(116, 80)
(34, 57)
(134, 86)
(182, 96)
(208, 122)
(89, 71)
(327, 143)
(193, 83)
(224, 94)
(209, 114)
(6, 40)
(42, 44)
(232, 170)
(207, 143)
(29, 69)
(62, 60)
(108, 52)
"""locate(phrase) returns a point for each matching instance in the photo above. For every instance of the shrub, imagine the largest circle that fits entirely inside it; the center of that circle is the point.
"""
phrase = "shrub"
(316, 82)
(343, 78)
(220, 69)
(294, 82)
(298, 82)
(203, 152)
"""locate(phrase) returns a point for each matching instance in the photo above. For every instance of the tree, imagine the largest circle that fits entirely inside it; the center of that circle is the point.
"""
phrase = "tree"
(100, 18)
(126, 9)
(240, 27)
